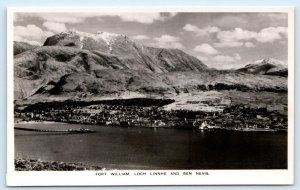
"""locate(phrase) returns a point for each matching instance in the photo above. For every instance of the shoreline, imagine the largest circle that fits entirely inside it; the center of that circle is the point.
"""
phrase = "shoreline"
(22, 164)
(38, 122)
(162, 127)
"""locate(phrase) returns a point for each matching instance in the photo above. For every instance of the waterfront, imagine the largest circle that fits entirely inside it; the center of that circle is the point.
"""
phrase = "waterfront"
(154, 148)
(149, 113)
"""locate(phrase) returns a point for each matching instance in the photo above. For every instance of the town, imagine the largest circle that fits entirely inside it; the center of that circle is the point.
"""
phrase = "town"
(133, 114)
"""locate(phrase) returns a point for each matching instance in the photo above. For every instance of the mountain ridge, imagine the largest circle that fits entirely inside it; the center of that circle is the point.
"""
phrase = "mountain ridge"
(71, 65)
(135, 54)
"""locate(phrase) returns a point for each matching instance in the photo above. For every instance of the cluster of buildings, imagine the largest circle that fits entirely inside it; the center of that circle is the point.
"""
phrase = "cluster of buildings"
(241, 116)
(232, 117)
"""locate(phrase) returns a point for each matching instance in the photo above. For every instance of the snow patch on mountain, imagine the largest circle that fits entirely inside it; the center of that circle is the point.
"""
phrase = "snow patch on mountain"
(271, 61)
(107, 38)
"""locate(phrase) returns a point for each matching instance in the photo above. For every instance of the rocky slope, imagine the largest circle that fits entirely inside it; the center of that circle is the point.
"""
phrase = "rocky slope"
(39, 66)
(266, 67)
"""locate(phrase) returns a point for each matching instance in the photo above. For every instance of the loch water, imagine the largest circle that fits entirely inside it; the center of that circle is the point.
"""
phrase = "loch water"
(153, 148)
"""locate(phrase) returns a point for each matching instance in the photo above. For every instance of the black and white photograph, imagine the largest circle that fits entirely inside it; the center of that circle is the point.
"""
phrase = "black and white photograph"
(145, 92)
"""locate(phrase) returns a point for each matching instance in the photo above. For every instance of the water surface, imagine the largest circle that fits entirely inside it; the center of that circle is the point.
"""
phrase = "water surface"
(150, 148)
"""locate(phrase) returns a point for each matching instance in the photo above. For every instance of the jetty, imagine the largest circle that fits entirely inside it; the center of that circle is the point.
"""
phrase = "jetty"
(81, 130)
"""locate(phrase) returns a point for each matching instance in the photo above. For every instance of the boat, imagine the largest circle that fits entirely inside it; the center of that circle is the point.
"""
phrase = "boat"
(203, 126)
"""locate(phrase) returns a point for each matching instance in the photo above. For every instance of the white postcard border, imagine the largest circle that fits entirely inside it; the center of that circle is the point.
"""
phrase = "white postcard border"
(91, 178)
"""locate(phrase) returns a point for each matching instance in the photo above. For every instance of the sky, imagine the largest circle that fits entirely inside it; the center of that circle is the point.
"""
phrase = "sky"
(220, 40)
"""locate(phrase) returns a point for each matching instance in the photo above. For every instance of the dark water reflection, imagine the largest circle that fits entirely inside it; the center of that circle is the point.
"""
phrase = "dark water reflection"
(148, 148)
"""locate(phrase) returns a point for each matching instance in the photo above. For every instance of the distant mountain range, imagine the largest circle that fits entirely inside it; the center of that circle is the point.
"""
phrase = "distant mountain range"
(77, 65)
(267, 67)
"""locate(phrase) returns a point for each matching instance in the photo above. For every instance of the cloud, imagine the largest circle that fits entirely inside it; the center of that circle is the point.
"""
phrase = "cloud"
(275, 19)
(223, 58)
(30, 33)
(235, 37)
(201, 31)
(17, 17)
(206, 49)
(223, 65)
(271, 34)
(226, 58)
(237, 56)
(225, 61)
(245, 20)
(140, 37)
(283, 42)
(62, 17)
(167, 41)
(72, 18)
(228, 44)
(20, 39)
(229, 20)
(249, 44)
(202, 58)
(146, 18)
(168, 14)
(55, 27)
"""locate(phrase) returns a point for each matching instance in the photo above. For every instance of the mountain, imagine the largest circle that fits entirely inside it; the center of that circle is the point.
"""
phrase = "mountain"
(76, 65)
(134, 55)
(71, 52)
(20, 47)
(266, 67)
(39, 66)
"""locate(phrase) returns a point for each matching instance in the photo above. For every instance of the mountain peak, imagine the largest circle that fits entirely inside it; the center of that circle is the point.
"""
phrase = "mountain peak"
(134, 55)
(101, 41)
(272, 61)
(266, 60)
(269, 66)
(87, 34)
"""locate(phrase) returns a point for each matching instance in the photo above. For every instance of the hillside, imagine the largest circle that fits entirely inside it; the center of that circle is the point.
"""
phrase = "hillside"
(20, 47)
(41, 65)
(115, 83)
(69, 72)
